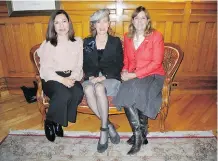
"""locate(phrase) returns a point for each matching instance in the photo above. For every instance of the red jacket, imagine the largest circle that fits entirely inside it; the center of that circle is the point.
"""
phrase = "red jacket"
(148, 58)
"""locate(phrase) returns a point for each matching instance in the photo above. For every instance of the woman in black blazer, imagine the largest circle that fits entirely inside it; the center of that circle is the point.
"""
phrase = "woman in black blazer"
(103, 62)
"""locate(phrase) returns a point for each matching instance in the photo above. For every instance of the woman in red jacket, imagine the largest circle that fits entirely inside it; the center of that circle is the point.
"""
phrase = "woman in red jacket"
(143, 76)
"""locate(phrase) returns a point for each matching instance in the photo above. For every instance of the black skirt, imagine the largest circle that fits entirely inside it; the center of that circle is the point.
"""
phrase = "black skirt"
(144, 94)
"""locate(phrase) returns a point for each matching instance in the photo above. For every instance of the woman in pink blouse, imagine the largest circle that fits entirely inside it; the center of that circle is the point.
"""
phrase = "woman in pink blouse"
(61, 61)
(143, 76)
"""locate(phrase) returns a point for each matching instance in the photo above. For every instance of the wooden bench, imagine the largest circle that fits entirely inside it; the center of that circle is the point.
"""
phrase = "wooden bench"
(173, 56)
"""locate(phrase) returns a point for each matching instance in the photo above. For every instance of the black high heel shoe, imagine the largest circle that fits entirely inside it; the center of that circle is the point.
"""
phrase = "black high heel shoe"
(138, 140)
(131, 140)
(58, 130)
(114, 139)
(49, 130)
(103, 147)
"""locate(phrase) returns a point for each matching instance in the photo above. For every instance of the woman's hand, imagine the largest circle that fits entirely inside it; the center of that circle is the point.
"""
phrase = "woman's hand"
(68, 82)
(127, 76)
(97, 79)
(93, 79)
(132, 75)
(90, 78)
(101, 78)
(124, 75)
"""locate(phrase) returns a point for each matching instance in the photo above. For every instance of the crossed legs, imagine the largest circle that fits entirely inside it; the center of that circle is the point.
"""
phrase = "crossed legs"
(97, 101)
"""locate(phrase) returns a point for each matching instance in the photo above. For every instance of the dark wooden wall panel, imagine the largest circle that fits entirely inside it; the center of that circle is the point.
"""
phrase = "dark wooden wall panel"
(190, 24)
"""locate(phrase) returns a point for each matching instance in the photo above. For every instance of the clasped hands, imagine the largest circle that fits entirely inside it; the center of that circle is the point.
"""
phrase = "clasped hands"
(125, 75)
(96, 79)
(68, 82)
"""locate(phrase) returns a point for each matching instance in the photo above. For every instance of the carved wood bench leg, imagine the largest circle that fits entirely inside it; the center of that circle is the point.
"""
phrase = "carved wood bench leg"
(163, 116)
(161, 122)
(162, 119)
(42, 110)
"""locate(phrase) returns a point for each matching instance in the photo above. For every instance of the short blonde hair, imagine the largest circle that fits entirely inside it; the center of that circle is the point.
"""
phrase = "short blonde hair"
(96, 16)
(148, 28)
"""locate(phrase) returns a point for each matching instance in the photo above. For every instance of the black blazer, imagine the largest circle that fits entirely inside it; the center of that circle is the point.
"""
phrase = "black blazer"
(111, 62)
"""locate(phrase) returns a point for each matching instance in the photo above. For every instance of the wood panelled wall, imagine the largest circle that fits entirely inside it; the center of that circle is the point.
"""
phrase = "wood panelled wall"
(190, 24)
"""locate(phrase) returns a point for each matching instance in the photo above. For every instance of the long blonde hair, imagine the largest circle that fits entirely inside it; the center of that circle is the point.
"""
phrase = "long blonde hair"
(148, 28)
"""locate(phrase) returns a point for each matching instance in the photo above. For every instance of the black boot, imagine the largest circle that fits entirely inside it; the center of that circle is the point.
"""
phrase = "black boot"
(133, 118)
(49, 130)
(144, 128)
(58, 130)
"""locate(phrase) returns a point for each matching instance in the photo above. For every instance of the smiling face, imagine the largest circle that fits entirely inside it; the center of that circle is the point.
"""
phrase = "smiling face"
(140, 21)
(102, 26)
(61, 25)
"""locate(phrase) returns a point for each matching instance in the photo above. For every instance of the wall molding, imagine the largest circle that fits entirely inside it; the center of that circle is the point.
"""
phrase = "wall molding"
(3, 87)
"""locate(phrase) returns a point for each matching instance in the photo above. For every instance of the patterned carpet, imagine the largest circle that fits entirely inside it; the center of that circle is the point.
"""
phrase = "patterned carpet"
(26, 146)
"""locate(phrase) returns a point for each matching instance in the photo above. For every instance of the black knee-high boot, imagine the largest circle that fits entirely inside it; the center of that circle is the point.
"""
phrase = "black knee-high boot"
(133, 118)
(143, 126)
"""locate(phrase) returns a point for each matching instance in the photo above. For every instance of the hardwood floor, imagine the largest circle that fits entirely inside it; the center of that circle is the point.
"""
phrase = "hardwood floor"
(187, 112)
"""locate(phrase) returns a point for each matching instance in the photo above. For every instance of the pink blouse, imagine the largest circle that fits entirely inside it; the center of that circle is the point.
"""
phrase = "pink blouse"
(65, 56)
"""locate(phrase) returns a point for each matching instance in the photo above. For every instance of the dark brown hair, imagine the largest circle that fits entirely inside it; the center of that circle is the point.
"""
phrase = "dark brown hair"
(51, 34)
(148, 28)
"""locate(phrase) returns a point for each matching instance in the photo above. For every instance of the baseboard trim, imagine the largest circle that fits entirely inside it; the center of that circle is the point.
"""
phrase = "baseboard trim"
(192, 91)
(3, 88)
(198, 83)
